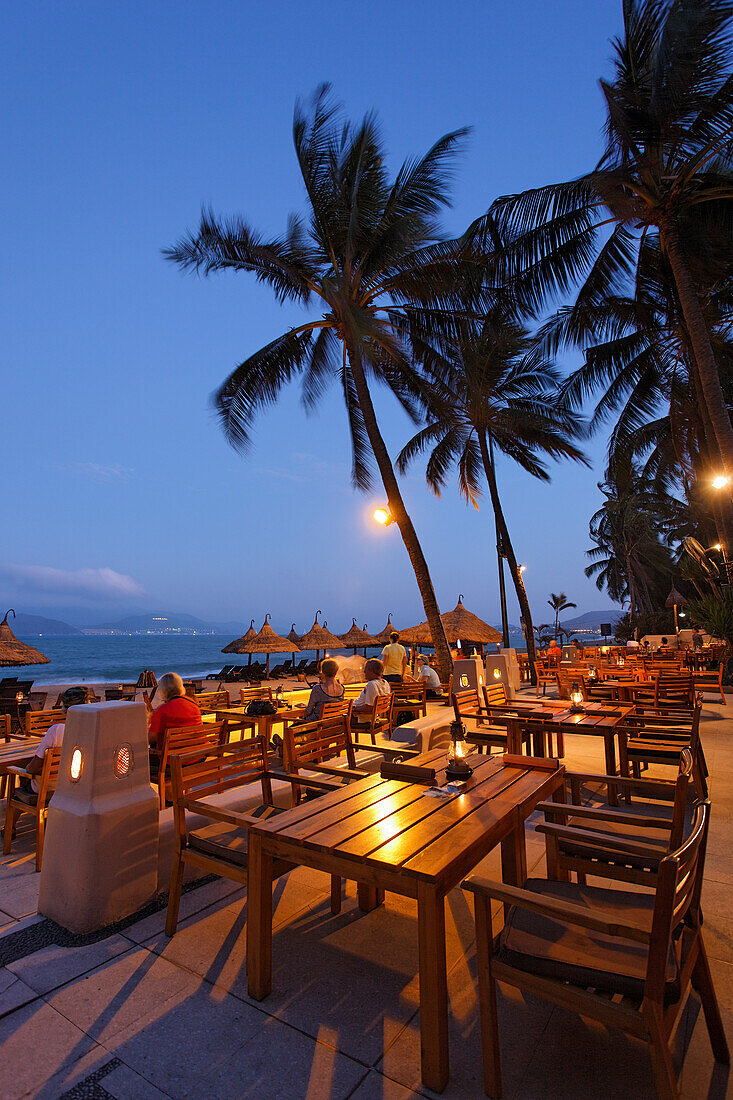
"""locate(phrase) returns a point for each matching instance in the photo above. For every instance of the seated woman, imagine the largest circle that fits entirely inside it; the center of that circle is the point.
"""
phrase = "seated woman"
(175, 710)
(375, 685)
(329, 690)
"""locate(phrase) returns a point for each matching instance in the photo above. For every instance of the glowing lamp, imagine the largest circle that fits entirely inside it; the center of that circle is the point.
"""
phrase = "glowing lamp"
(592, 672)
(621, 661)
(124, 761)
(458, 767)
(604, 650)
(680, 614)
(497, 674)
(576, 699)
(76, 765)
(464, 681)
(522, 568)
(19, 697)
(720, 481)
(381, 515)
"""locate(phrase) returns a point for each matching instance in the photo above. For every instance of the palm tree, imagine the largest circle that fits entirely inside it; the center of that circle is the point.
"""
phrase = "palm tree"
(559, 602)
(370, 248)
(666, 168)
(491, 392)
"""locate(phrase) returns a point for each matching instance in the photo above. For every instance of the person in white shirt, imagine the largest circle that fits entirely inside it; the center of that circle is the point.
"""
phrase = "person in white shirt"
(375, 686)
(394, 658)
(73, 696)
(431, 678)
(632, 644)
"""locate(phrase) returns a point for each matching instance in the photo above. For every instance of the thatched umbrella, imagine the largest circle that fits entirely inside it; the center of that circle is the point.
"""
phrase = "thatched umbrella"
(355, 637)
(675, 599)
(459, 624)
(13, 652)
(235, 646)
(267, 641)
(318, 638)
(383, 637)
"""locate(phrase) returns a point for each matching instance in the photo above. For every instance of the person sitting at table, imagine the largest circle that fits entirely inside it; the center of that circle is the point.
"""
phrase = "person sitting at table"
(430, 678)
(553, 649)
(53, 737)
(175, 710)
(329, 690)
(375, 685)
(394, 659)
(697, 639)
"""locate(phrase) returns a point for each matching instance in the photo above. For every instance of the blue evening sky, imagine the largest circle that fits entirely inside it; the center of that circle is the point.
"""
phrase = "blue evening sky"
(119, 120)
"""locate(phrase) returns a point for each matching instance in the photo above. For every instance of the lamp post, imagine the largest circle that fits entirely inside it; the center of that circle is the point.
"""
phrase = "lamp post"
(726, 564)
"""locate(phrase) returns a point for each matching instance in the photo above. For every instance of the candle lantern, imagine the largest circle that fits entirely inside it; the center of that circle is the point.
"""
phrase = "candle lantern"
(458, 767)
(576, 699)
(592, 675)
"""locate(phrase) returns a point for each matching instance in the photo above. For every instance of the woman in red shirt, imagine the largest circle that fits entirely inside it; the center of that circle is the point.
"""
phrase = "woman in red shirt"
(175, 710)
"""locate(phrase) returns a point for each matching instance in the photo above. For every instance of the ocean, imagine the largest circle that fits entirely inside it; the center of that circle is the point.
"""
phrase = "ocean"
(99, 658)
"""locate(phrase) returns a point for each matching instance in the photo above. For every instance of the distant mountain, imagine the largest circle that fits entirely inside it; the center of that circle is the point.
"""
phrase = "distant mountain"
(591, 620)
(39, 624)
(159, 622)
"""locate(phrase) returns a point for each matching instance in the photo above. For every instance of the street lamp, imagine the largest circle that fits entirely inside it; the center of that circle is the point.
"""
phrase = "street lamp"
(381, 515)
(720, 481)
(522, 568)
(726, 564)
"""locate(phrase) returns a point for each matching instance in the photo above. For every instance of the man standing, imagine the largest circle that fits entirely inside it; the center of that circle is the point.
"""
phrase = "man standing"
(394, 658)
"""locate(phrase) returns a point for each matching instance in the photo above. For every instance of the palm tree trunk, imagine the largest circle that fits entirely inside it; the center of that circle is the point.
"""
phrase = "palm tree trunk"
(400, 516)
(506, 542)
(722, 510)
(700, 339)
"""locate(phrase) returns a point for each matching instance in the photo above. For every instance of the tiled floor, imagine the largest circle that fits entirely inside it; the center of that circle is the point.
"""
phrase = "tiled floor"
(139, 1016)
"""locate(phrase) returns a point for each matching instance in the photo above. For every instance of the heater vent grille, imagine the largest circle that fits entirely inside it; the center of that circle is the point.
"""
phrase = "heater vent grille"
(124, 761)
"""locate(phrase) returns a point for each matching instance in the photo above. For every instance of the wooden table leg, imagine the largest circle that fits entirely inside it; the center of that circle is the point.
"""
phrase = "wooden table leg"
(609, 744)
(433, 987)
(259, 920)
(514, 858)
(538, 741)
(513, 738)
(368, 897)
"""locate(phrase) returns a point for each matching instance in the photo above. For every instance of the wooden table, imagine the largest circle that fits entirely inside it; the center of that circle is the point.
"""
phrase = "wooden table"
(598, 720)
(17, 753)
(264, 722)
(391, 836)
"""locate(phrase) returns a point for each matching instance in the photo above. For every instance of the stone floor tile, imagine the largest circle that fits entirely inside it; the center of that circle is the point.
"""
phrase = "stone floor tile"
(124, 1084)
(281, 1063)
(113, 997)
(20, 895)
(184, 1039)
(219, 892)
(717, 929)
(13, 992)
(35, 1044)
(53, 966)
(376, 1086)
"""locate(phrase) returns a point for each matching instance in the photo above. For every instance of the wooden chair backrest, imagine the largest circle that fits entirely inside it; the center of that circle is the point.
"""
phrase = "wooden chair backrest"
(38, 721)
(675, 687)
(5, 727)
(49, 774)
(382, 709)
(212, 700)
(246, 695)
(317, 742)
(37, 699)
(186, 738)
(415, 692)
(196, 775)
(339, 708)
(677, 899)
(466, 703)
(495, 695)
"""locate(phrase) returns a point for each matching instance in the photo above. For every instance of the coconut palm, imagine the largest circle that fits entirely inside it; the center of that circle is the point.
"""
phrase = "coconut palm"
(666, 169)
(370, 246)
(491, 393)
(559, 602)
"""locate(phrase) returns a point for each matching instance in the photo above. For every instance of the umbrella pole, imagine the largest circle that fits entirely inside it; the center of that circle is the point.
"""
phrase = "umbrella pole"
(267, 673)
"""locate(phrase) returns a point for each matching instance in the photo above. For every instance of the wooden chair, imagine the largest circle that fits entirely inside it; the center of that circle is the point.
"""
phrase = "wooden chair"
(494, 695)
(185, 739)
(20, 801)
(625, 958)
(38, 721)
(709, 680)
(379, 719)
(606, 841)
(545, 670)
(661, 743)
(337, 709)
(467, 705)
(219, 848)
(410, 697)
(311, 745)
(246, 695)
(37, 699)
(674, 689)
(209, 702)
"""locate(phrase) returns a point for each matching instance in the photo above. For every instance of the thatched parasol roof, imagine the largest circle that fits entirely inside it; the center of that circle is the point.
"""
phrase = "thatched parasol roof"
(294, 637)
(458, 623)
(675, 597)
(267, 641)
(383, 637)
(319, 638)
(13, 652)
(356, 637)
(234, 647)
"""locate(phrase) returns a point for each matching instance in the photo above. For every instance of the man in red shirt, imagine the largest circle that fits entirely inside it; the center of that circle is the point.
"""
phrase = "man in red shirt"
(175, 710)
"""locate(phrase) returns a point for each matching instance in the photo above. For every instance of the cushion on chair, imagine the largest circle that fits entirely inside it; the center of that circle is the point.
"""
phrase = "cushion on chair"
(655, 838)
(552, 948)
(28, 798)
(228, 842)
